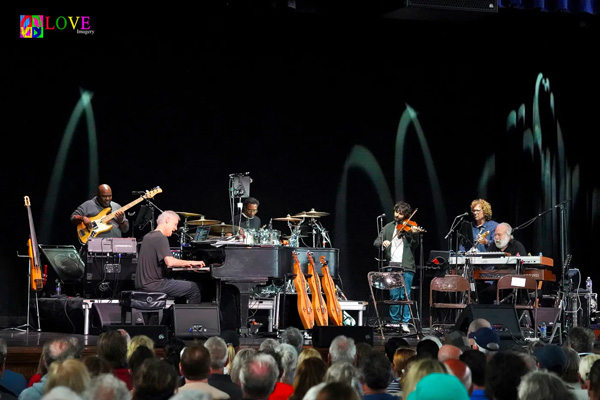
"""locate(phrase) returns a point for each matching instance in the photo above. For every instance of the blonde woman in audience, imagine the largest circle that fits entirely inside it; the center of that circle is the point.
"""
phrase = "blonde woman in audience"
(139, 340)
(585, 365)
(402, 357)
(417, 370)
(308, 353)
(71, 373)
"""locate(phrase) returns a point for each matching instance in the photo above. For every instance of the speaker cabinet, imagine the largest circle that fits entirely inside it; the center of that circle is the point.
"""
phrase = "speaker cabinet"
(322, 336)
(106, 276)
(193, 321)
(503, 318)
(104, 315)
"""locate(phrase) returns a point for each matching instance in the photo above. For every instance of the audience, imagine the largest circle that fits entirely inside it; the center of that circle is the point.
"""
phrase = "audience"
(419, 369)
(581, 339)
(219, 357)
(342, 349)
(543, 385)
(570, 375)
(593, 380)
(96, 365)
(338, 391)
(195, 367)
(139, 340)
(362, 350)
(477, 362)
(71, 373)
(5, 393)
(428, 347)
(236, 366)
(462, 371)
(485, 340)
(258, 376)
(503, 375)
(107, 387)
(289, 362)
(439, 386)
(112, 347)
(448, 351)
(156, 379)
(139, 355)
(310, 372)
(293, 337)
(551, 357)
(308, 353)
(402, 357)
(585, 365)
(269, 344)
(377, 374)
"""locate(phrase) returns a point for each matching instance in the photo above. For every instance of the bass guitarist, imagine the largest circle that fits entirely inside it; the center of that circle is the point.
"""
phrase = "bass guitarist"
(91, 208)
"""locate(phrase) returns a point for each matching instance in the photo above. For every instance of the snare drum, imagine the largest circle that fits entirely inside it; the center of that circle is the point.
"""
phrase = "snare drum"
(270, 237)
(251, 236)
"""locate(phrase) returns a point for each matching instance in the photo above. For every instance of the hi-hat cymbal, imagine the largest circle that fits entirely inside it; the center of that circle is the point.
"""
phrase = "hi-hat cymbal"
(223, 228)
(304, 214)
(317, 213)
(203, 222)
(288, 218)
(189, 214)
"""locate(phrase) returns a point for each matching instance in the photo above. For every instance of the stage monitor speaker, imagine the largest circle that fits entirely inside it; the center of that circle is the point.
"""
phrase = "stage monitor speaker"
(158, 333)
(65, 261)
(106, 276)
(502, 317)
(103, 315)
(322, 336)
(193, 321)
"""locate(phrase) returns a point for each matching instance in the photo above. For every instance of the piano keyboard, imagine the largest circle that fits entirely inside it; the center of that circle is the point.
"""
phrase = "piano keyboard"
(506, 260)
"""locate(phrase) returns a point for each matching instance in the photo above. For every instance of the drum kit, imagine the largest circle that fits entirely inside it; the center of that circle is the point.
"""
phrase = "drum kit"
(211, 229)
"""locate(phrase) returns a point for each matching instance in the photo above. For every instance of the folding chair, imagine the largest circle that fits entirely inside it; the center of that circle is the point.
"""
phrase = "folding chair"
(449, 284)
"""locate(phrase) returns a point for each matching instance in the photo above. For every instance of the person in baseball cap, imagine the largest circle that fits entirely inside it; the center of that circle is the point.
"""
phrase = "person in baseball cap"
(486, 340)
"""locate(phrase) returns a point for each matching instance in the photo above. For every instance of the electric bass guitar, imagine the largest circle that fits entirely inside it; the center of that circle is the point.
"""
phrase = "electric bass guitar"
(318, 302)
(37, 281)
(101, 222)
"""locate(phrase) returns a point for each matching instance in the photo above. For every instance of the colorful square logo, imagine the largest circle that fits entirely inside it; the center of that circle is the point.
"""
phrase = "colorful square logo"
(32, 26)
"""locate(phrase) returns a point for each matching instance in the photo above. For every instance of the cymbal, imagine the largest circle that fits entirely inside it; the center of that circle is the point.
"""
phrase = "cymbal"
(223, 228)
(317, 213)
(202, 221)
(288, 218)
(189, 214)
(304, 214)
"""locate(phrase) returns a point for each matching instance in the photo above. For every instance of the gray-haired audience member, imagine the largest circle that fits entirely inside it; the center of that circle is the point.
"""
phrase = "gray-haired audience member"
(61, 393)
(289, 362)
(342, 349)
(217, 348)
(581, 339)
(543, 385)
(339, 372)
(293, 336)
(236, 366)
(258, 376)
(54, 350)
(269, 344)
(107, 387)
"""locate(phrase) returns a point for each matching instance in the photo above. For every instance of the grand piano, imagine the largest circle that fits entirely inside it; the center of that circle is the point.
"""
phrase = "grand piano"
(246, 266)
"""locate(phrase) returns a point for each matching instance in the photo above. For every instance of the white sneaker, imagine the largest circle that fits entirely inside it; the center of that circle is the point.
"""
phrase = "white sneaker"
(405, 328)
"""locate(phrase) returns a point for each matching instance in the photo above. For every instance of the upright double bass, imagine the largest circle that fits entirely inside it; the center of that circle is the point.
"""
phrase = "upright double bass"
(37, 281)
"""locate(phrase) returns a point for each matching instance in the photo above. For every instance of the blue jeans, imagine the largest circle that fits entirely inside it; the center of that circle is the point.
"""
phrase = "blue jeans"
(398, 294)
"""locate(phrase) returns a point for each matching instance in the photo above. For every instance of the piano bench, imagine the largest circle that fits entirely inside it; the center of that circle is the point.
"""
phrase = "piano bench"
(149, 304)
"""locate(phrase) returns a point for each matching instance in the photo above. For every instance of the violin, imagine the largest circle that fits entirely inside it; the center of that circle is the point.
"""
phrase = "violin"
(407, 225)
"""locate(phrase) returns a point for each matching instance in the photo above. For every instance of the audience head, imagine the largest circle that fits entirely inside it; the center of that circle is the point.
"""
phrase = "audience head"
(112, 346)
(402, 357)
(551, 357)
(362, 350)
(571, 371)
(58, 350)
(217, 348)
(258, 376)
(593, 380)
(269, 344)
(139, 355)
(458, 339)
(462, 371)
(195, 362)
(341, 349)
(475, 325)
(338, 391)
(376, 371)
(192, 394)
(107, 387)
(156, 379)
(418, 369)
(392, 344)
(585, 365)
(581, 339)
(308, 353)
(61, 393)
(428, 347)
(503, 375)
(173, 350)
(71, 373)
(293, 336)
(289, 362)
(231, 338)
(485, 340)
(310, 372)
(96, 365)
(439, 386)
(236, 366)
(476, 361)
(139, 340)
(448, 352)
(543, 385)
(78, 346)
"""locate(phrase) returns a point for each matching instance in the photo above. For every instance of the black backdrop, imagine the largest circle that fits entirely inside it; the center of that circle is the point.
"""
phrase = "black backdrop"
(311, 105)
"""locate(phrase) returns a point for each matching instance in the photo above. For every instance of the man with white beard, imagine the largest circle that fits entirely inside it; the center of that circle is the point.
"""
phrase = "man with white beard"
(504, 241)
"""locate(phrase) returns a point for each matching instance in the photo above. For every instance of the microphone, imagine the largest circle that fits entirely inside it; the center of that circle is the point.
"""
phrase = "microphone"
(381, 216)
(138, 192)
(239, 174)
(463, 214)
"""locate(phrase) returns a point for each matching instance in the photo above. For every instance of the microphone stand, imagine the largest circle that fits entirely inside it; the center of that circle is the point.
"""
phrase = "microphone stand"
(380, 226)
(455, 223)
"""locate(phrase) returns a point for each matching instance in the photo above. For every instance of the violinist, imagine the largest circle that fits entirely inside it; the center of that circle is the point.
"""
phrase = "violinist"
(398, 241)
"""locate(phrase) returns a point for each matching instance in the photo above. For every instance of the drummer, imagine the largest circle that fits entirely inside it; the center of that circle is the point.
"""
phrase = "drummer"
(248, 219)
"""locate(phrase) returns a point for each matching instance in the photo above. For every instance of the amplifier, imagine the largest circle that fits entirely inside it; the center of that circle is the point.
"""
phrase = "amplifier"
(106, 276)
(112, 245)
